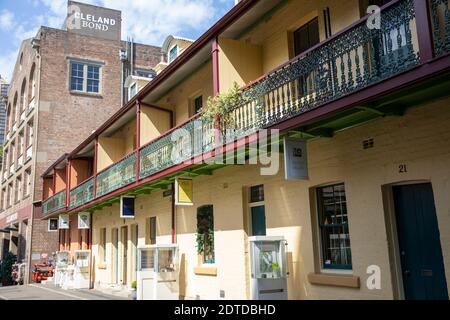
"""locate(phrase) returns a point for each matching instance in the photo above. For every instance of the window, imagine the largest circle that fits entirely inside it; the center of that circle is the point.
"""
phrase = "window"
(146, 73)
(133, 90)
(52, 225)
(198, 104)
(205, 233)
(306, 36)
(27, 181)
(151, 231)
(23, 101)
(173, 53)
(257, 211)
(32, 89)
(29, 137)
(333, 227)
(18, 189)
(21, 143)
(84, 77)
(3, 199)
(102, 245)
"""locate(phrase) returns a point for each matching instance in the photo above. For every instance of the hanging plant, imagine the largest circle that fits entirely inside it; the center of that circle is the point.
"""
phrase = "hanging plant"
(200, 239)
(222, 105)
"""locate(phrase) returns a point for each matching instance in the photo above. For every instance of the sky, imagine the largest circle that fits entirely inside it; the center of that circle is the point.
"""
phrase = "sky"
(147, 21)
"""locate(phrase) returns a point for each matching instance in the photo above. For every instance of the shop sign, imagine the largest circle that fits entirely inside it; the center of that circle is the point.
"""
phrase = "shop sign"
(11, 218)
(63, 221)
(184, 192)
(127, 207)
(84, 220)
(295, 159)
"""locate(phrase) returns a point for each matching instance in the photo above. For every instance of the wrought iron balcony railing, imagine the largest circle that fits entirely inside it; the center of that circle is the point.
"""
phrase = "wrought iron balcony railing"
(171, 149)
(116, 176)
(440, 19)
(354, 59)
(54, 203)
(82, 193)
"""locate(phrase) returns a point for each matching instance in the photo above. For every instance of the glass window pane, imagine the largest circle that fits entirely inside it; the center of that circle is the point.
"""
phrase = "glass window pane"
(333, 224)
(257, 193)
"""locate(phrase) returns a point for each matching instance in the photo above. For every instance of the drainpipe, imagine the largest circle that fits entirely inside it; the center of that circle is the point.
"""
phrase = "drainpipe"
(91, 280)
(173, 212)
(215, 63)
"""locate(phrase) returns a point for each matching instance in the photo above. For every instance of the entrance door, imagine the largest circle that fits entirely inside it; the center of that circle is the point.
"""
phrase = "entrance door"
(5, 247)
(124, 244)
(420, 247)
(258, 221)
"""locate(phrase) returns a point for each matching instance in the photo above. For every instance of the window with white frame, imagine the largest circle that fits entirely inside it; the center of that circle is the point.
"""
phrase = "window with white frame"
(27, 182)
(133, 90)
(84, 77)
(333, 227)
(173, 53)
(257, 212)
(102, 245)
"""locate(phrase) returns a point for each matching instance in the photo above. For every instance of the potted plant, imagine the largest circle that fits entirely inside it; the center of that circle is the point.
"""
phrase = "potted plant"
(133, 290)
(222, 106)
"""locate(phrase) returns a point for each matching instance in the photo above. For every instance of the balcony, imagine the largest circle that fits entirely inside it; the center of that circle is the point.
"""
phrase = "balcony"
(82, 194)
(157, 155)
(116, 176)
(54, 203)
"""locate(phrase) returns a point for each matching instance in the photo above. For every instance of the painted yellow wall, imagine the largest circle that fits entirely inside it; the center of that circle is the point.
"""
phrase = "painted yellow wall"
(154, 122)
(180, 97)
(273, 34)
(238, 61)
(111, 149)
(418, 140)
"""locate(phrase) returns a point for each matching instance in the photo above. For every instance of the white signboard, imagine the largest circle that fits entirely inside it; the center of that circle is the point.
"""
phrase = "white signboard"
(63, 221)
(295, 159)
(11, 218)
(84, 220)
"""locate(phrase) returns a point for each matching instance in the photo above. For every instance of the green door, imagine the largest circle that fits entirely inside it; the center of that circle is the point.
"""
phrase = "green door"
(258, 221)
(419, 242)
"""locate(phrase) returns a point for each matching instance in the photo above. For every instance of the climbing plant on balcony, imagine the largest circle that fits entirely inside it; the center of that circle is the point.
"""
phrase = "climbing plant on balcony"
(223, 105)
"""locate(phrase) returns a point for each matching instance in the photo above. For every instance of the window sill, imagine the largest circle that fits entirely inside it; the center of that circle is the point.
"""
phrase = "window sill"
(86, 94)
(206, 271)
(335, 280)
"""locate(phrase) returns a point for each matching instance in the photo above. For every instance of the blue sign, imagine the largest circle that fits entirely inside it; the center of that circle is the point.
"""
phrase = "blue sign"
(127, 207)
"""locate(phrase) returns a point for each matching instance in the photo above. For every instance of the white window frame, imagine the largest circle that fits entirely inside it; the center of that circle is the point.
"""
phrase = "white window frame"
(86, 64)
(170, 50)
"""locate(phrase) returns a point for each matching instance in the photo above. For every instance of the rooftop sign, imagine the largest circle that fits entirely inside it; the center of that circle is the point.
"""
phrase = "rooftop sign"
(94, 21)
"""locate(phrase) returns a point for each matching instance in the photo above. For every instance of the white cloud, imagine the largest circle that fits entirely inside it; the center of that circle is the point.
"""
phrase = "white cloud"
(147, 21)
(6, 20)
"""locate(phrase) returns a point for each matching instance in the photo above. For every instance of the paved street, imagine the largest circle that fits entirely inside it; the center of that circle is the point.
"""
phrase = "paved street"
(50, 292)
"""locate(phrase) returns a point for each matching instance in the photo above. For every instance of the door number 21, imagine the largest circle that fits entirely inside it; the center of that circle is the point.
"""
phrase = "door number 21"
(402, 168)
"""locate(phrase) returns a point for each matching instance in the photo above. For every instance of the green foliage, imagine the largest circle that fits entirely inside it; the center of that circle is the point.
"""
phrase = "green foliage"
(6, 268)
(133, 284)
(222, 105)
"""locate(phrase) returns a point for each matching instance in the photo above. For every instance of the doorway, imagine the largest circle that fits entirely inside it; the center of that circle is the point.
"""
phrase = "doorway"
(124, 250)
(421, 261)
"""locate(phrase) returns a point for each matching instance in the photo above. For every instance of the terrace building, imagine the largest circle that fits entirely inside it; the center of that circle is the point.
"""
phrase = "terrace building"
(63, 87)
(368, 107)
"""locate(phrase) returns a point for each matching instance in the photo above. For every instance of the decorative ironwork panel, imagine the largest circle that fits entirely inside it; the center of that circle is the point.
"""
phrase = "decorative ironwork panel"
(353, 60)
(82, 194)
(440, 19)
(188, 141)
(117, 176)
(54, 203)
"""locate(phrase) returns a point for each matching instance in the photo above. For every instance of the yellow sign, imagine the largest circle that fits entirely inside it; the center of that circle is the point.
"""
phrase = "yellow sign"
(184, 192)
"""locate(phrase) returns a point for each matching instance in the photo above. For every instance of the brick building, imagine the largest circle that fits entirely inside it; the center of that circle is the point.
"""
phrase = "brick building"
(65, 84)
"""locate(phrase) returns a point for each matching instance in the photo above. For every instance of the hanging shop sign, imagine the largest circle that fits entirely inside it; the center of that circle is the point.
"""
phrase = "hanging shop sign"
(184, 192)
(63, 221)
(52, 224)
(127, 206)
(84, 220)
(295, 159)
